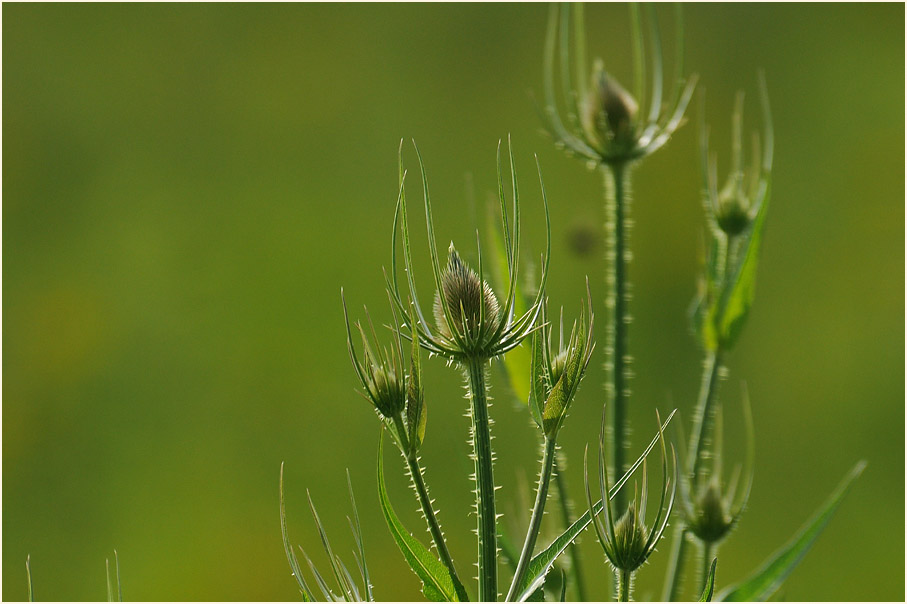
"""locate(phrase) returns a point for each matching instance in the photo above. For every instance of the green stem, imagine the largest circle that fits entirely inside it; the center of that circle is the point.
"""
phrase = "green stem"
(415, 472)
(708, 392)
(709, 550)
(624, 579)
(617, 211)
(576, 570)
(481, 442)
(535, 521)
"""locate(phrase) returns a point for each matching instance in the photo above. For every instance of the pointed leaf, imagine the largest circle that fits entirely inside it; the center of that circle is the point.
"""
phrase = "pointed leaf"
(356, 528)
(438, 584)
(730, 313)
(291, 557)
(709, 584)
(767, 579)
(537, 377)
(31, 589)
(516, 362)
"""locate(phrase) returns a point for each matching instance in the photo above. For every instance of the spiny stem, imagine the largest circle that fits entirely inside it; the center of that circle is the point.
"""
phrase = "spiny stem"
(576, 570)
(624, 579)
(535, 521)
(708, 392)
(481, 441)
(616, 225)
(415, 472)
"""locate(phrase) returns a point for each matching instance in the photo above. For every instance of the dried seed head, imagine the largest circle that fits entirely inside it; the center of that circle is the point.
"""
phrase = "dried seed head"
(609, 113)
(629, 546)
(465, 296)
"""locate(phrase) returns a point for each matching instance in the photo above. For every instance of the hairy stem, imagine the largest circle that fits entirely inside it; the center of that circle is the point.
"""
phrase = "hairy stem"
(617, 226)
(624, 579)
(415, 472)
(535, 521)
(708, 392)
(576, 570)
(481, 442)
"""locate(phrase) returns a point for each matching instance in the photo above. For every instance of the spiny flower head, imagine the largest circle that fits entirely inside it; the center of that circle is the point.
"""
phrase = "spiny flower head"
(397, 396)
(734, 207)
(555, 375)
(470, 322)
(627, 541)
(473, 306)
(604, 123)
(713, 509)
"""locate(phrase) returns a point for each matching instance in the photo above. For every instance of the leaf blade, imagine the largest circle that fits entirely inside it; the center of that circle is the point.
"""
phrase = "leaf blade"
(709, 589)
(288, 548)
(768, 578)
(438, 584)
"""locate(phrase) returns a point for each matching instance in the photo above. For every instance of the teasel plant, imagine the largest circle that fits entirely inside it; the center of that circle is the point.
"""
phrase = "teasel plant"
(471, 327)
(735, 216)
(613, 130)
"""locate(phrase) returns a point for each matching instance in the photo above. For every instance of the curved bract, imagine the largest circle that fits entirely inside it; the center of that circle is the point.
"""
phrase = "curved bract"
(604, 122)
(470, 321)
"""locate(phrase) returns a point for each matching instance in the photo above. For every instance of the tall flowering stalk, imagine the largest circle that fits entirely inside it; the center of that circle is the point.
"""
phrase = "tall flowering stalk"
(613, 130)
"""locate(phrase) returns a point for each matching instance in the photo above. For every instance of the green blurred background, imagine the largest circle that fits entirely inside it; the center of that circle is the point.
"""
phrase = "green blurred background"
(187, 187)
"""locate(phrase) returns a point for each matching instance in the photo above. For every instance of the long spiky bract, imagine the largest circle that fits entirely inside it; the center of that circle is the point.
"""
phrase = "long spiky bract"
(627, 541)
(647, 133)
(467, 327)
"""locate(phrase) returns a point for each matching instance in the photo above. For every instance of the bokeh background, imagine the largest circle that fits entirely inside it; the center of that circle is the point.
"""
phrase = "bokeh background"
(187, 187)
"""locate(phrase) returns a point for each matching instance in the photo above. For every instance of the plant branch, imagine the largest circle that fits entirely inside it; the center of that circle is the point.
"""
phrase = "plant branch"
(535, 521)
(415, 472)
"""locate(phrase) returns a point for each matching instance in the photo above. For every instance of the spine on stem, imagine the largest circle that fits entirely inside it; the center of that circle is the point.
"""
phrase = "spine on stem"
(535, 521)
(485, 508)
(415, 472)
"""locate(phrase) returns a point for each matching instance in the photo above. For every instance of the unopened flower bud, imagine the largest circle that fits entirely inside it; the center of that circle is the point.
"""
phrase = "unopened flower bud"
(465, 296)
(711, 520)
(732, 214)
(609, 113)
(629, 547)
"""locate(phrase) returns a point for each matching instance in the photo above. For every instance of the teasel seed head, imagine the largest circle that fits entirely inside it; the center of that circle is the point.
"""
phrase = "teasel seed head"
(466, 296)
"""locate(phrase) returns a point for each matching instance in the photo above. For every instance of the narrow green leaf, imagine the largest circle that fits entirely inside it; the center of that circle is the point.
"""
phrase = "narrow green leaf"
(563, 597)
(537, 377)
(542, 562)
(768, 578)
(709, 584)
(736, 299)
(31, 589)
(438, 584)
(345, 589)
(109, 582)
(516, 362)
(291, 557)
(356, 528)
